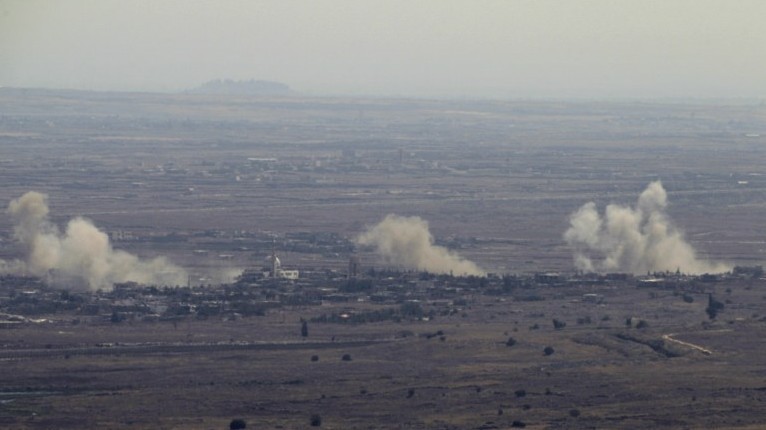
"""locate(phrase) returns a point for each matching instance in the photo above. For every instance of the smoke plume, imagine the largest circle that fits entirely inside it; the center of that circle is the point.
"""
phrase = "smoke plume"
(81, 254)
(635, 240)
(407, 242)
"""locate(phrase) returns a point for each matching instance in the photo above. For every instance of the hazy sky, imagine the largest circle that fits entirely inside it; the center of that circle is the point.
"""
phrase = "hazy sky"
(508, 48)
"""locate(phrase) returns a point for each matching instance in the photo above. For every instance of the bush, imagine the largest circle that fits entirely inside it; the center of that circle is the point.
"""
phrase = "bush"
(713, 307)
(558, 325)
(548, 350)
(520, 393)
(346, 357)
(518, 424)
(316, 420)
(510, 342)
(574, 413)
(237, 424)
(314, 358)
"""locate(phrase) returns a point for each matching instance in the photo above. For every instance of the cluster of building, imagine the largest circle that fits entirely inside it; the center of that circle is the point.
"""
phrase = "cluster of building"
(29, 300)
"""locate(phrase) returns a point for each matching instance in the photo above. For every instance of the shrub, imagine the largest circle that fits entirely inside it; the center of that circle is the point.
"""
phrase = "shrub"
(574, 413)
(558, 325)
(510, 342)
(314, 358)
(520, 393)
(548, 350)
(237, 424)
(316, 420)
(346, 357)
(713, 307)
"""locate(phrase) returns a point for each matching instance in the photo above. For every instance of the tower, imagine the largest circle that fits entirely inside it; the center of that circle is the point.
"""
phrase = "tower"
(353, 266)
(276, 265)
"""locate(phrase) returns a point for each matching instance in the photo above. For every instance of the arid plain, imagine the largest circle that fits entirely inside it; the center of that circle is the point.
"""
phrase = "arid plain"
(217, 184)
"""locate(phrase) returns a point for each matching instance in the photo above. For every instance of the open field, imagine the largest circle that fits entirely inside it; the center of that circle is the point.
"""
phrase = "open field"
(452, 372)
(496, 180)
(216, 184)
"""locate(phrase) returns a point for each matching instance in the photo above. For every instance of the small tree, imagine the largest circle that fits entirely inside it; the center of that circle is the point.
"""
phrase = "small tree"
(510, 342)
(304, 328)
(237, 424)
(558, 325)
(713, 307)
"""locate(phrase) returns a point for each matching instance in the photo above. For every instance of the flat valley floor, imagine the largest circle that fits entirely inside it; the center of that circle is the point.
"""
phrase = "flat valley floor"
(455, 371)
(216, 183)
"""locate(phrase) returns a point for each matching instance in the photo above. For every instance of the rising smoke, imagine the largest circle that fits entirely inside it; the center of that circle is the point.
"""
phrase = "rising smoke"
(407, 242)
(634, 240)
(80, 255)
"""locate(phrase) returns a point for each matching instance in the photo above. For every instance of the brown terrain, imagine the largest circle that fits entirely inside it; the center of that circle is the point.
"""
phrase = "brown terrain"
(216, 184)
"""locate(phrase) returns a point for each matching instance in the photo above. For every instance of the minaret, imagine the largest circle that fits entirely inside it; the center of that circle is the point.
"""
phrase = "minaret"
(276, 265)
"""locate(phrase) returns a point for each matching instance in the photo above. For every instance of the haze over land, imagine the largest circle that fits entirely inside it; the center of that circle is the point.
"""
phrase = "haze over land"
(433, 48)
(264, 211)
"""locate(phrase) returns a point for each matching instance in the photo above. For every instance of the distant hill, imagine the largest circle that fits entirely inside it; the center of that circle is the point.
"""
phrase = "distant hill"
(251, 87)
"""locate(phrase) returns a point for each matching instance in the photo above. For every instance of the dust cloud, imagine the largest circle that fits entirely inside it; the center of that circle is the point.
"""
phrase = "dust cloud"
(81, 255)
(407, 242)
(635, 240)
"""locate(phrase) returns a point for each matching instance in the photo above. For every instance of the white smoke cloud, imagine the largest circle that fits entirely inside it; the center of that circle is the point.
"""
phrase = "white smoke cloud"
(81, 254)
(635, 240)
(407, 242)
